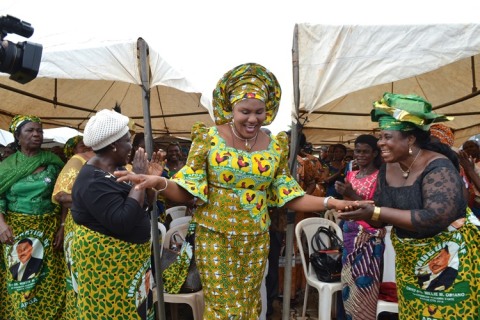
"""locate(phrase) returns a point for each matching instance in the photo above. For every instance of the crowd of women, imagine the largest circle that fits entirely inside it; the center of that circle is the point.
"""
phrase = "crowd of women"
(76, 236)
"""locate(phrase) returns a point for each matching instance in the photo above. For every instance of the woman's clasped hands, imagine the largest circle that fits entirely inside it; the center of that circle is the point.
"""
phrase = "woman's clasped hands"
(361, 211)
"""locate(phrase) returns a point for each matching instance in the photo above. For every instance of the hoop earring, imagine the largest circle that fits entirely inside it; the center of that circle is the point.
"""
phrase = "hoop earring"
(410, 151)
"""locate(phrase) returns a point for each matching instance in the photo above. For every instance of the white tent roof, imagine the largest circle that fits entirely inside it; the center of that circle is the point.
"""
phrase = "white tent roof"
(344, 68)
(77, 79)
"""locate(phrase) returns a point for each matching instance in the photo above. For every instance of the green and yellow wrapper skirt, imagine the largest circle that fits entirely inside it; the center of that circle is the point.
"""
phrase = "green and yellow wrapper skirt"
(113, 276)
(438, 277)
(37, 289)
(71, 283)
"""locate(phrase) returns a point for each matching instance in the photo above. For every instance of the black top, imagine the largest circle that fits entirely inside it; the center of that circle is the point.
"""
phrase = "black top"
(102, 204)
(435, 199)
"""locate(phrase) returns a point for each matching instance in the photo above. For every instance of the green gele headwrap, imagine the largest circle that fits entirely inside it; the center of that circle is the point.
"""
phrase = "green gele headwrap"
(404, 113)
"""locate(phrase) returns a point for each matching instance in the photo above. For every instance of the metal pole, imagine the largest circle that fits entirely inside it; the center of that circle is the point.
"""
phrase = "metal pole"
(144, 75)
(293, 169)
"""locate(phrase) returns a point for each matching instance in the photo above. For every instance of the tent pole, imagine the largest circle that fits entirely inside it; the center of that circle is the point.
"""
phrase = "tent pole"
(293, 169)
(144, 75)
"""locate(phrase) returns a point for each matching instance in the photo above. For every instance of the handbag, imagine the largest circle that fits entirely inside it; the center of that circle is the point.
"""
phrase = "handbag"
(178, 266)
(325, 259)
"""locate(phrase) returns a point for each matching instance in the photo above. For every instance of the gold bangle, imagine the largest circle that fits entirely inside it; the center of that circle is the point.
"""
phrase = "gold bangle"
(376, 213)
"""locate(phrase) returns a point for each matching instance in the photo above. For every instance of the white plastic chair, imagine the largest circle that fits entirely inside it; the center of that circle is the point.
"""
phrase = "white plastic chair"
(194, 299)
(176, 212)
(180, 220)
(330, 215)
(163, 231)
(388, 274)
(325, 289)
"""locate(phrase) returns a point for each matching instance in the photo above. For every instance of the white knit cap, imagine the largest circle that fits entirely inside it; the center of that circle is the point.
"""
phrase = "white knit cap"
(104, 128)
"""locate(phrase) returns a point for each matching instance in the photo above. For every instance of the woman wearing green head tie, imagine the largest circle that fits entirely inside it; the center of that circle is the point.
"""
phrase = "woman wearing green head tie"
(29, 222)
(420, 192)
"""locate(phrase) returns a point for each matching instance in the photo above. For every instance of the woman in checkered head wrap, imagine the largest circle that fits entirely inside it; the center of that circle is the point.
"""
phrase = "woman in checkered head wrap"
(236, 171)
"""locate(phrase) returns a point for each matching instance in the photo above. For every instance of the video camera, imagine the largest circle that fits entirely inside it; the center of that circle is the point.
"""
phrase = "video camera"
(20, 60)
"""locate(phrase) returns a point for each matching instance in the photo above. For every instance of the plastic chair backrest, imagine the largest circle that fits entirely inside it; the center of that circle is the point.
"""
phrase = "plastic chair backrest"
(308, 227)
(163, 231)
(181, 229)
(181, 220)
(176, 212)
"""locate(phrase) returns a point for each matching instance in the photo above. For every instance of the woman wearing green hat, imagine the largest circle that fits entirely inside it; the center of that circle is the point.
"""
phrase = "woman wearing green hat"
(420, 192)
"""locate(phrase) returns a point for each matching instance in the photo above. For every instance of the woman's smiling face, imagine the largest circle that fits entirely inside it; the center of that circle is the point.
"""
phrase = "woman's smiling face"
(248, 116)
(393, 145)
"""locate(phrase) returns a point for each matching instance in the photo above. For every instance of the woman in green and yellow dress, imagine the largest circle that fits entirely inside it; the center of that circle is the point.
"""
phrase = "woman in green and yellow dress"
(421, 193)
(111, 243)
(76, 154)
(29, 222)
(236, 171)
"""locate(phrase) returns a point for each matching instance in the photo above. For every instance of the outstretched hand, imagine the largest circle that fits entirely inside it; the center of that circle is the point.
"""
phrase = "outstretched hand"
(141, 181)
(346, 206)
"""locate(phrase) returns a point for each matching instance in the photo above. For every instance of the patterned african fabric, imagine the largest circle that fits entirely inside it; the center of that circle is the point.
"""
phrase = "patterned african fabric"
(5, 302)
(231, 269)
(307, 174)
(19, 120)
(43, 277)
(175, 274)
(362, 256)
(246, 81)
(113, 277)
(28, 209)
(238, 185)
(64, 183)
(449, 294)
(437, 267)
(70, 145)
(233, 199)
(321, 174)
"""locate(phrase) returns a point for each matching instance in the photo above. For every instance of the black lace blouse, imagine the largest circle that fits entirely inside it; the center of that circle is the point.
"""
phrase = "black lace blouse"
(435, 200)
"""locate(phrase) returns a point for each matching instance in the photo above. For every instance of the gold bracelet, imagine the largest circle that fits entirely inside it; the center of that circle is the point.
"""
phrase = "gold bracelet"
(376, 214)
(164, 188)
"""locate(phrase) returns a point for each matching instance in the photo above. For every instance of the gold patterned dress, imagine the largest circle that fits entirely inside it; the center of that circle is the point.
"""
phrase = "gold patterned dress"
(234, 188)
(64, 183)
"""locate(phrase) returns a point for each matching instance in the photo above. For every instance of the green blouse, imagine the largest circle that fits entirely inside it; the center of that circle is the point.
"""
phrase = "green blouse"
(31, 194)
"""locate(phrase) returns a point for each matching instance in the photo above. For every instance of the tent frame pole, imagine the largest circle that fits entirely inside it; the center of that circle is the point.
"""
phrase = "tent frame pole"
(142, 47)
(293, 170)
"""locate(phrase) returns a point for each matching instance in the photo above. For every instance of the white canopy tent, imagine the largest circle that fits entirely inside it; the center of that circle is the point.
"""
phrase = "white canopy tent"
(344, 68)
(77, 79)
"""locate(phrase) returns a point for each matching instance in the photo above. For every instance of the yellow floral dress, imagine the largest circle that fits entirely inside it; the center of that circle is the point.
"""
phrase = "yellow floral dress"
(234, 189)
(64, 183)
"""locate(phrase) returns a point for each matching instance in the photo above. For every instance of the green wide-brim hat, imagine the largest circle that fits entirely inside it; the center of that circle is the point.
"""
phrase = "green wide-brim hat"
(404, 112)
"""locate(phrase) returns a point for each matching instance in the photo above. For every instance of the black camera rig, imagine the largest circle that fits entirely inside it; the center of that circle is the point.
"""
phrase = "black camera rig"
(21, 60)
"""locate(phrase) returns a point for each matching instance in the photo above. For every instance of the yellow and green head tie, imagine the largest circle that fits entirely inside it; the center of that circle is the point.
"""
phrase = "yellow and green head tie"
(20, 120)
(70, 145)
(404, 113)
(246, 81)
